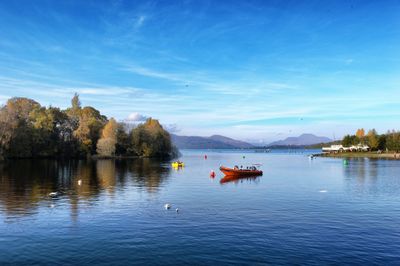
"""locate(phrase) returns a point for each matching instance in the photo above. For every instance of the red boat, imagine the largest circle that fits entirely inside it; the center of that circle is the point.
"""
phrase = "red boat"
(250, 171)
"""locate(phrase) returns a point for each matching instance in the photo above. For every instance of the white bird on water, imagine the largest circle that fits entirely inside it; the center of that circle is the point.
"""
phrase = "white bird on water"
(53, 194)
(167, 206)
(177, 210)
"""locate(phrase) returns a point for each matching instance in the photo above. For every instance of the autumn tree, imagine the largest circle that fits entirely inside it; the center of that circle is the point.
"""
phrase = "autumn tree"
(372, 137)
(28, 129)
(106, 144)
(90, 124)
(7, 126)
(360, 134)
(17, 129)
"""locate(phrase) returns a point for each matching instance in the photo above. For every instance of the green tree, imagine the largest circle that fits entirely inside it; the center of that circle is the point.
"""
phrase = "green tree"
(382, 142)
(74, 112)
(151, 140)
(390, 140)
(123, 143)
(395, 141)
(349, 140)
(90, 124)
(75, 102)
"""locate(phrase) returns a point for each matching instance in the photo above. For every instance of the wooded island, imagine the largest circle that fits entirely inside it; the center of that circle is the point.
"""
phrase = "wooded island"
(29, 130)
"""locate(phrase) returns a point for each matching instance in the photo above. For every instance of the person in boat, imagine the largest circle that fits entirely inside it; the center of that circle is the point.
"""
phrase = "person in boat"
(236, 167)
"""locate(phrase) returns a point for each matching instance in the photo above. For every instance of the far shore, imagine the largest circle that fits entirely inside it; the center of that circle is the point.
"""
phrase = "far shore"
(371, 155)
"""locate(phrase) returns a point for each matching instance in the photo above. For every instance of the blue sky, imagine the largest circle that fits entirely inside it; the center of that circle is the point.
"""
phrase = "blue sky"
(252, 70)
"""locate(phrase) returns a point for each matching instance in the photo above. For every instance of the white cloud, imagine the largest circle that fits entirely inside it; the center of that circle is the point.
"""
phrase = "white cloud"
(4, 98)
(136, 117)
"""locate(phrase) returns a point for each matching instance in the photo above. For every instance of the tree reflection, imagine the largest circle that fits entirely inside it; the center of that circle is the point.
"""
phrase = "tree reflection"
(371, 176)
(106, 174)
(24, 184)
(362, 170)
(145, 173)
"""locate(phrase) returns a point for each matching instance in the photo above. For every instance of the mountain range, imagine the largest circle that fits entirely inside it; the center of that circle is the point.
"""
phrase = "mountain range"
(222, 142)
(302, 140)
(213, 142)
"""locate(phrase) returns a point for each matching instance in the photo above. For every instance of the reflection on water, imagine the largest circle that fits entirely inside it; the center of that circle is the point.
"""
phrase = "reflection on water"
(110, 212)
(237, 179)
(364, 175)
(362, 170)
(25, 183)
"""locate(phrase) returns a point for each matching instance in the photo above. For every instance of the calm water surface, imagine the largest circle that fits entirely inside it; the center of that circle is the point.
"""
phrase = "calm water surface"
(300, 211)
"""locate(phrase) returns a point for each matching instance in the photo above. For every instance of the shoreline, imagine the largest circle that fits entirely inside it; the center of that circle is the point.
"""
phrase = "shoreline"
(369, 155)
(90, 157)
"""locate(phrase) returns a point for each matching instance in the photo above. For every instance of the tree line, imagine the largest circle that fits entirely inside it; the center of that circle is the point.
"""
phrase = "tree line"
(384, 142)
(29, 130)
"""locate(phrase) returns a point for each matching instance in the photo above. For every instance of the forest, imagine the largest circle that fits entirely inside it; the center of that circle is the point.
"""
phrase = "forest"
(383, 142)
(29, 130)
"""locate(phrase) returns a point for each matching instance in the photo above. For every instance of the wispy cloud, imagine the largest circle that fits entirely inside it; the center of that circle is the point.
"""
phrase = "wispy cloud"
(147, 72)
(349, 61)
(212, 83)
(139, 21)
(255, 69)
(104, 91)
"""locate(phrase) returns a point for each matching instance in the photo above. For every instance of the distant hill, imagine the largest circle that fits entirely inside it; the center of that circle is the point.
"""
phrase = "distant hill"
(302, 140)
(213, 142)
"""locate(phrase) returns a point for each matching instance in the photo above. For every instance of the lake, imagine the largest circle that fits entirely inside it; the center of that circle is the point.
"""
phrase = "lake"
(300, 211)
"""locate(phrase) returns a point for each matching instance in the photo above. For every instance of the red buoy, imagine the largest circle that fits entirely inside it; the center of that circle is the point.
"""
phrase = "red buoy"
(212, 174)
(205, 157)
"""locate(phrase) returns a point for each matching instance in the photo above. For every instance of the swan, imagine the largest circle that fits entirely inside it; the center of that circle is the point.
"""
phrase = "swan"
(53, 194)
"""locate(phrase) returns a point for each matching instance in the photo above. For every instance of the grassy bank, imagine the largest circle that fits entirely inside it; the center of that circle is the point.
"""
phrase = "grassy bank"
(372, 155)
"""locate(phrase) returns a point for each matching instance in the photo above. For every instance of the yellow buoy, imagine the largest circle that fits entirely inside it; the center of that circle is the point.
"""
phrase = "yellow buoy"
(178, 164)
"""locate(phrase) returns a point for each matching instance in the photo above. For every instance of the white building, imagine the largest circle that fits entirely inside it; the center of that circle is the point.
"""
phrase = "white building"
(340, 148)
